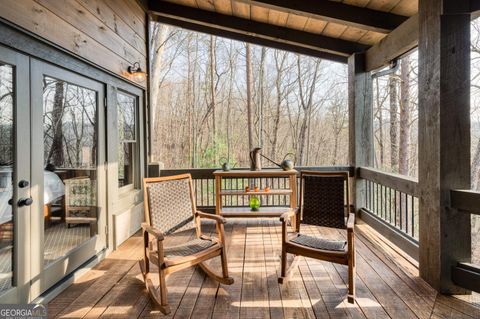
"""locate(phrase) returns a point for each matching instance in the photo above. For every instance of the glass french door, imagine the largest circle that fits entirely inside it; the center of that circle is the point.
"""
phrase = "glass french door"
(15, 196)
(68, 173)
(52, 174)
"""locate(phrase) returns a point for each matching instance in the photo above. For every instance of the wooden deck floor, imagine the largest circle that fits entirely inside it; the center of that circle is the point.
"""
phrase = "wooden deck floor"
(388, 285)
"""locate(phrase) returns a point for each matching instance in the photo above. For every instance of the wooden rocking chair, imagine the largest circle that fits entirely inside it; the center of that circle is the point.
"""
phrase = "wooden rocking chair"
(324, 201)
(170, 205)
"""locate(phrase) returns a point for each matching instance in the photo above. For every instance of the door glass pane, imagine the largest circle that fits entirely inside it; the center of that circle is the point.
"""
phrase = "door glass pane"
(70, 162)
(126, 105)
(7, 159)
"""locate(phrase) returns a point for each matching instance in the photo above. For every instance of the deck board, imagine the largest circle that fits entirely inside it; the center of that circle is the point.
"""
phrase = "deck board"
(388, 285)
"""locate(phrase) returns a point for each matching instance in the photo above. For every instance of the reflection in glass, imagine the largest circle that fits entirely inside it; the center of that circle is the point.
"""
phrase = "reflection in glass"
(70, 161)
(7, 159)
(126, 106)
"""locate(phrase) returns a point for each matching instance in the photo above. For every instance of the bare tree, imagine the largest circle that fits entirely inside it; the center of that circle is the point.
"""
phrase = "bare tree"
(55, 156)
(280, 58)
(248, 66)
(404, 116)
(306, 93)
(213, 71)
(393, 122)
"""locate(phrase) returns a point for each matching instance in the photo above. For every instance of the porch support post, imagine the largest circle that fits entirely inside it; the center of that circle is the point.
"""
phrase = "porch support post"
(444, 138)
(360, 114)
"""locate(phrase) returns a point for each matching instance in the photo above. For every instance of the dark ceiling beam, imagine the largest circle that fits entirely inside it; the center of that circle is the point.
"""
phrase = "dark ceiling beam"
(363, 18)
(261, 30)
(252, 39)
(393, 45)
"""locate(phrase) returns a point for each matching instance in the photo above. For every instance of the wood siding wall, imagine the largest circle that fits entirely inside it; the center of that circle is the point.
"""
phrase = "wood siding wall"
(109, 33)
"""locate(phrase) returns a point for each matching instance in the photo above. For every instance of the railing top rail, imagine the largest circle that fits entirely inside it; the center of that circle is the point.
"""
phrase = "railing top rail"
(198, 173)
(465, 200)
(404, 184)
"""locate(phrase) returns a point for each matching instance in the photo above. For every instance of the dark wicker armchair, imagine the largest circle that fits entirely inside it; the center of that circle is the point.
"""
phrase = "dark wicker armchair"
(324, 201)
(170, 205)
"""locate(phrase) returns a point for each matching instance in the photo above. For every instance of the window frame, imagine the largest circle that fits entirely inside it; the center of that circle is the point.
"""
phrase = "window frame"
(135, 184)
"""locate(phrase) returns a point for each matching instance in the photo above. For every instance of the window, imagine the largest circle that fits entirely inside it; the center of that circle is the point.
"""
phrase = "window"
(127, 137)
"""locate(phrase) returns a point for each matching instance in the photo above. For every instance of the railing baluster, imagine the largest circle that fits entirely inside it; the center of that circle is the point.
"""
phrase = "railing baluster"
(406, 213)
(390, 205)
(395, 211)
(385, 202)
(402, 208)
(371, 194)
(413, 219)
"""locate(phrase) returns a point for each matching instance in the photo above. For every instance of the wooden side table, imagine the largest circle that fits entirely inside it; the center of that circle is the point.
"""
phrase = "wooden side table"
(245, 211)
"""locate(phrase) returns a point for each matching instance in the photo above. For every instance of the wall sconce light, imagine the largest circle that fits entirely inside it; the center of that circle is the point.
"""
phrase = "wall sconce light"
(136, 72)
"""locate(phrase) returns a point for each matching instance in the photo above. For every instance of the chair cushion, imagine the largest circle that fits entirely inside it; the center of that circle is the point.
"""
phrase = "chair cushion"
(319, 243)
(188, 248)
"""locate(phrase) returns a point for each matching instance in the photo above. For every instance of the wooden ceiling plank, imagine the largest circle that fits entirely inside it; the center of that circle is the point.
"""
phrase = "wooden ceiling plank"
(223, 6)
(259, 14)
(277, 18)
(241, 10)
(206, 5)
(353, 34)
(251, 39)
(258, 29)
(315, 26)
(296, 22)
(188, 3)
(333, 30)
(406, 8)
(382, 5)
(338, 12)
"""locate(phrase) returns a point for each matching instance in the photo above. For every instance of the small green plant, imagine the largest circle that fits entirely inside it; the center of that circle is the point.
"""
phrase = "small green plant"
(254, 203)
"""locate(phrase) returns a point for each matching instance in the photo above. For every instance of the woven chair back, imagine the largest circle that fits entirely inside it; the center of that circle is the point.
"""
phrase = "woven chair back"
(170, 202)
(324, 198)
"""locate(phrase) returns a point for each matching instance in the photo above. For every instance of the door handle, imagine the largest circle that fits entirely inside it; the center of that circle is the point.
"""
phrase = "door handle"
(25, 202)
(23, 183)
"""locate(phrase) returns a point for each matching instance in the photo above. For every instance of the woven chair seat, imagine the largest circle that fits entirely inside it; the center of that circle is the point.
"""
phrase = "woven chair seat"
(188, 248)
(319, 243)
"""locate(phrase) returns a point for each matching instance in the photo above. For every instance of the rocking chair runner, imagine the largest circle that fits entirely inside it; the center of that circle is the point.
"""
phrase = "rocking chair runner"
(170, 205)
(324, 201)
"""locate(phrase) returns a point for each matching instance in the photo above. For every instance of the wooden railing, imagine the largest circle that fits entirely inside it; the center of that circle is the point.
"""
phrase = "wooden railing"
(204, 185)
(391, 206)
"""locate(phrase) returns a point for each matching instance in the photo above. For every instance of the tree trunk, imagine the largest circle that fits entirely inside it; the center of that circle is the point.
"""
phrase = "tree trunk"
(261, 94)
(229, 102)
(379, 117)
(393, 122)
(55, 155)
(213, 96)
(249, 96)
(404, 116)
(307, 106)
(157, 45)
(279, 92)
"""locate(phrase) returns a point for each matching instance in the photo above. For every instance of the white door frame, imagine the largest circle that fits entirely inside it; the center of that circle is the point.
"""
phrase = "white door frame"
(21, 171)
